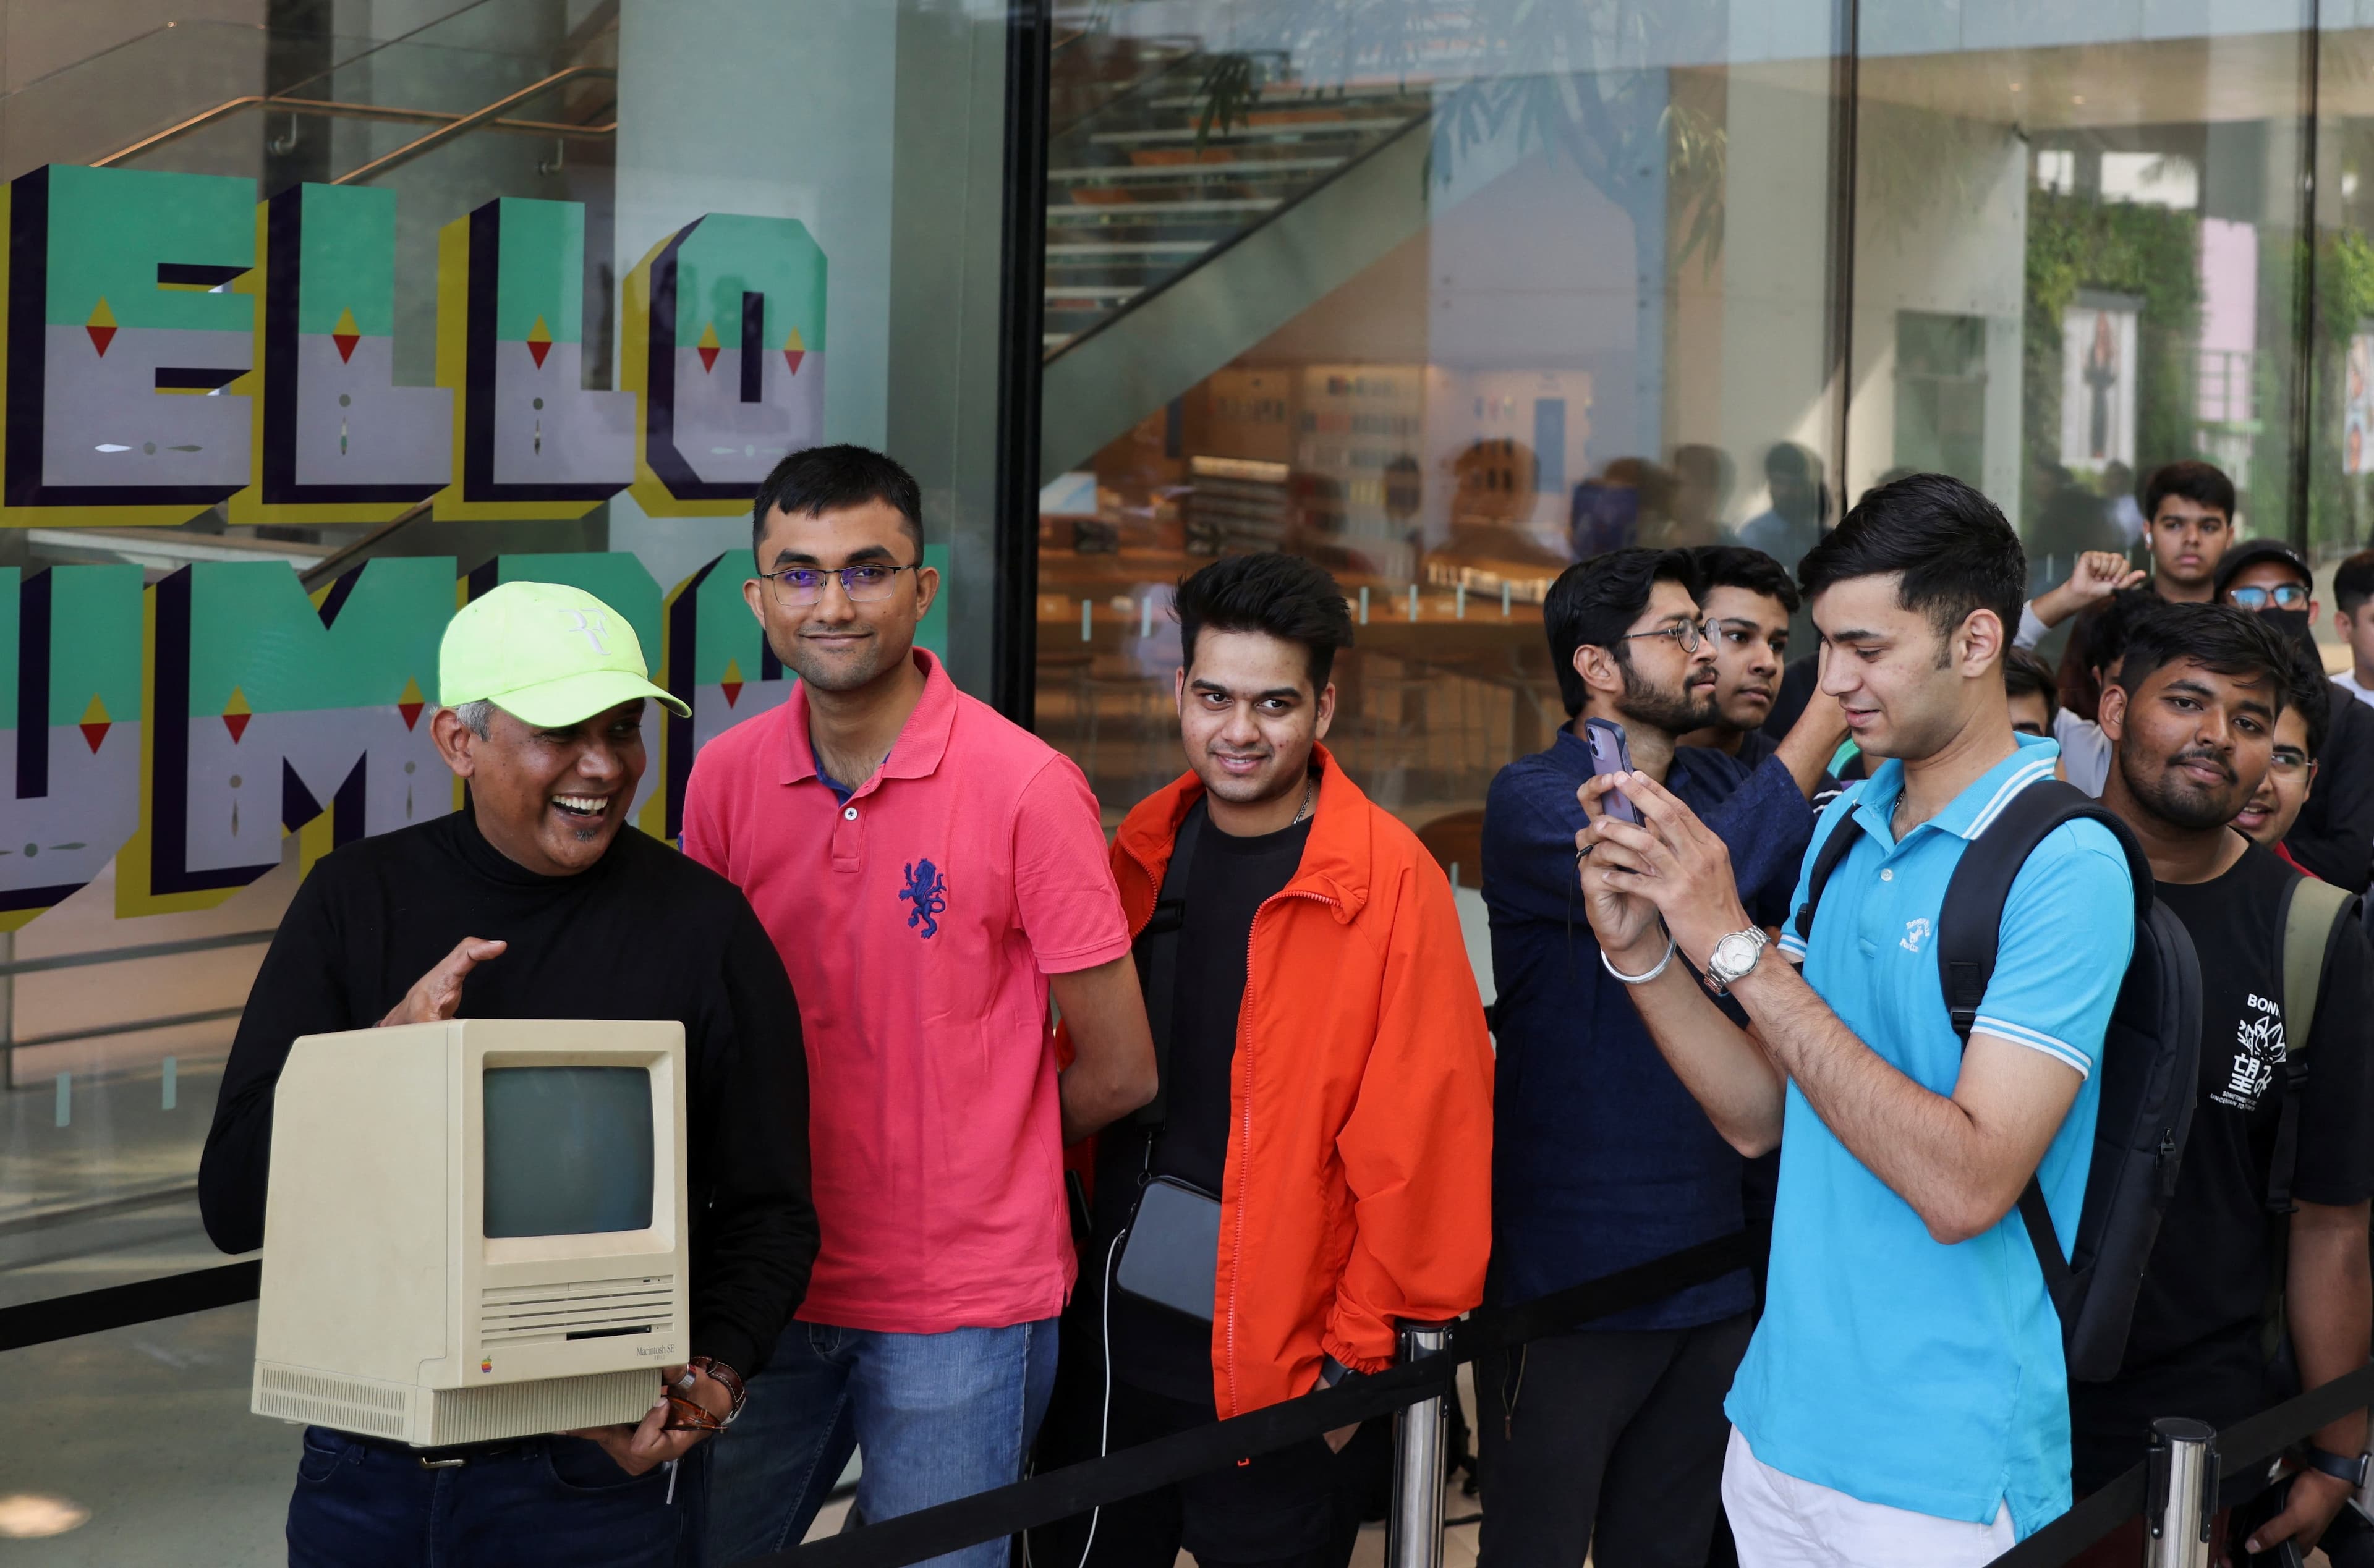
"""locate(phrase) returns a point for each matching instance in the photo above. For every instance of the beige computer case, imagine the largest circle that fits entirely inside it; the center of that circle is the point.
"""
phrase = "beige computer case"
(384, 1312)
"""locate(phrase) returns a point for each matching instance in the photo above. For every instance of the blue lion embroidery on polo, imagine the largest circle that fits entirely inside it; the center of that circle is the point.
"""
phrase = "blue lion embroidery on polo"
(927, 890)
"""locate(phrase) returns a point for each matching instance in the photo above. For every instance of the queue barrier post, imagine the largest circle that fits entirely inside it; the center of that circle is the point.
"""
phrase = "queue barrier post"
(1414, 1529)
(2182, 1494)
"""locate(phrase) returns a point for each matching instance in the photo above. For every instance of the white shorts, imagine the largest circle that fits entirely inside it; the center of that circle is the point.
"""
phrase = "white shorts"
(1782, 1522)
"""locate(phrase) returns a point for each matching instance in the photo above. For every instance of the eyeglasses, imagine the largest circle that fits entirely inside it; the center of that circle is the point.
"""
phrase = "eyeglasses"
(2284, 596)
(864, 584)
(1689, 634)
(2287, 765)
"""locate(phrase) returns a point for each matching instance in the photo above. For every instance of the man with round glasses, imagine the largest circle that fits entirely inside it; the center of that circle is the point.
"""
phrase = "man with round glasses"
(1610, 1438)
(931, 873)
(2333, 836)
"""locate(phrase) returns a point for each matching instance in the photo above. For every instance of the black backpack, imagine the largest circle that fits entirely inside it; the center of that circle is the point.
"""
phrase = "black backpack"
(2149, 1063)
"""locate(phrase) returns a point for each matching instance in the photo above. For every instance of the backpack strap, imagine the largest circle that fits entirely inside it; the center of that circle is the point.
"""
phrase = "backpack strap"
(1834, 848)
(2313, 915)
(1969, 934)
(1970, 922)
(1158, 959)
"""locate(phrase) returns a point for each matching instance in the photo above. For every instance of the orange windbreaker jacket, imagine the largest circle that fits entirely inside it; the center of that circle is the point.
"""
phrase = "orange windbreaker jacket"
(1357, 1187)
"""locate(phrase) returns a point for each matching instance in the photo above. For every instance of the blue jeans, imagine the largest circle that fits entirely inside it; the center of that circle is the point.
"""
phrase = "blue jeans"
(555, 1500)
(939, 1416)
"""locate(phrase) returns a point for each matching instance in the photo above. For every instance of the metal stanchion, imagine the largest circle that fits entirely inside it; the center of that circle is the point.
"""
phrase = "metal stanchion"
(1414, 1529)
(2182, 1496)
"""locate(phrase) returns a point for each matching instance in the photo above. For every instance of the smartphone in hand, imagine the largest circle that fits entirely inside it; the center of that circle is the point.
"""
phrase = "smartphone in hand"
(1610, 755)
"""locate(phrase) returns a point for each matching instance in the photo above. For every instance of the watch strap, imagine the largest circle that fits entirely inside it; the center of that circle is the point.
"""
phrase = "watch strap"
(2352, 1470)
(727, 1379)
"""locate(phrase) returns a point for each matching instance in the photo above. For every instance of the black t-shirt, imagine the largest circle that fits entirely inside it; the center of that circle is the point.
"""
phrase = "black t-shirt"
(2206, 1291)
(1231, 879)
(1154, 1348)
(645, 933)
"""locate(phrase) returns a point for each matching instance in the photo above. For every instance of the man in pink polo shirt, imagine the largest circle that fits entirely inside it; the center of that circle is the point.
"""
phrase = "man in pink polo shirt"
(930, 872)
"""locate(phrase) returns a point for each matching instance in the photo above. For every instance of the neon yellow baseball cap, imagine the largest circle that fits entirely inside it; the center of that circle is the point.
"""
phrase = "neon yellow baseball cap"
(551, 654)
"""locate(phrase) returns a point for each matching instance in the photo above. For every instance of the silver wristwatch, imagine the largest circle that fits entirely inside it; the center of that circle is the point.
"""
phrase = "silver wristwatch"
(1732, 957)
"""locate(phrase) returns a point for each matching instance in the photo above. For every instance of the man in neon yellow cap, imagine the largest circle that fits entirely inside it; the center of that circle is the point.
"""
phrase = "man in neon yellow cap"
(522, 672)
(531, 903)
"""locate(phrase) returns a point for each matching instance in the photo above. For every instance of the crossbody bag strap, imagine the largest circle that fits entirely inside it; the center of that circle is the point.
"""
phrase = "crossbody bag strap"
(1158, 959)
(2312, 915)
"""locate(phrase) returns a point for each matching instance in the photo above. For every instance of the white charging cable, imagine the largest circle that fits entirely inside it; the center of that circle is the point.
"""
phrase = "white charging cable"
(1104, 1423)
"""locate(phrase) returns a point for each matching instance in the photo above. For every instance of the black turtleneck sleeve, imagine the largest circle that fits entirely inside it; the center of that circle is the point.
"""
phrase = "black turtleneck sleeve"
(646, 934)
(299, 990)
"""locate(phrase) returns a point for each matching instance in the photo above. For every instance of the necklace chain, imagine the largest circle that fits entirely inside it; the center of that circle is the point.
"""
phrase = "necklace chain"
(1310, 797)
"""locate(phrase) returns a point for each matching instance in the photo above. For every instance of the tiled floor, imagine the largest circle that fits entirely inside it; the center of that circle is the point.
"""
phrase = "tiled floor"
(143, 1436)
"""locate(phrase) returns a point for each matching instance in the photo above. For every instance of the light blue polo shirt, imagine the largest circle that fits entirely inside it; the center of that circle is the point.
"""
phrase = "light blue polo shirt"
(1888, 1365)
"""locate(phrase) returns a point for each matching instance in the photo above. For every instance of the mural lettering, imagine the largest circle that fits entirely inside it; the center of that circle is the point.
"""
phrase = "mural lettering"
(186, 729)
(167, 345)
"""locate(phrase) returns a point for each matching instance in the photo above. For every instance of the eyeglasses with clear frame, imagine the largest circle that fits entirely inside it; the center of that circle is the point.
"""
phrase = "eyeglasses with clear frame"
(865, 583)
(1689, 634)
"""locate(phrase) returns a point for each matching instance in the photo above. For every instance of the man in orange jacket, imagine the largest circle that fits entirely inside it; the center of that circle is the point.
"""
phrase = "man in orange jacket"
(1325, 1106)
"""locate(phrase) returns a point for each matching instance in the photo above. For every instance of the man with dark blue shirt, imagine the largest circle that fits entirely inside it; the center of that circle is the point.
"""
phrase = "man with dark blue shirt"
(1610, 1439)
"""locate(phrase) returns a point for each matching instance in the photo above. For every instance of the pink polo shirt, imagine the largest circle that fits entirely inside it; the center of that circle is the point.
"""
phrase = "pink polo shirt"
(920, 924)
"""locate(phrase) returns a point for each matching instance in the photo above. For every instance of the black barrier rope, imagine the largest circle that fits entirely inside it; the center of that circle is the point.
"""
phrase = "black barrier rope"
(2249, 1445)
(2244, 1452)
(120, 1306)
(2245, 1449)
(2094, 1518)
(1075, 1489)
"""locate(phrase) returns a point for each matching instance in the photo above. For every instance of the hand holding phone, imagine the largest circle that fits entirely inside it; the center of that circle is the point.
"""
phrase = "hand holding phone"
(1609, 754)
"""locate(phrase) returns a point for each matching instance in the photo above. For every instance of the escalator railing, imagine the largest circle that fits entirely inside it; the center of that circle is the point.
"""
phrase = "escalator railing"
(1150, 185)
(199, 95)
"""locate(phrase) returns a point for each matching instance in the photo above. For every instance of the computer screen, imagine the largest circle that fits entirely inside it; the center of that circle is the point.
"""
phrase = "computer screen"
(568, 1150)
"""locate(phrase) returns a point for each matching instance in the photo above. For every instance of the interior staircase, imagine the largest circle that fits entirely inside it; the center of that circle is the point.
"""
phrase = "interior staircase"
(1141, 190)
(1179, 238)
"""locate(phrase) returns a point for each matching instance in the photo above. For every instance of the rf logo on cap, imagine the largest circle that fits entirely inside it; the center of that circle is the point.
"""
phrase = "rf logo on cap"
(592, 625)
(518, 646)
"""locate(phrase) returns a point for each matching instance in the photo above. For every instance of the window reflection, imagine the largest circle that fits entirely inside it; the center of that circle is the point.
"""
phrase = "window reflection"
(1502, 287)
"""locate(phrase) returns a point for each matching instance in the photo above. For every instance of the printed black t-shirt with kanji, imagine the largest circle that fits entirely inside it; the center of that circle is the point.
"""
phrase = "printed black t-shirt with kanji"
(2196, 1347)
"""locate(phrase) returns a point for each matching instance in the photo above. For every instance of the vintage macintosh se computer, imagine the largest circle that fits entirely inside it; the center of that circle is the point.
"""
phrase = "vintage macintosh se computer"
(475, 1230)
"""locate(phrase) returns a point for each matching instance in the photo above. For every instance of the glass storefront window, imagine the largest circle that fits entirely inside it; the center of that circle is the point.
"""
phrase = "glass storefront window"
(314, 328)
(1443, 296)
(2077, 257)
(1444, 299)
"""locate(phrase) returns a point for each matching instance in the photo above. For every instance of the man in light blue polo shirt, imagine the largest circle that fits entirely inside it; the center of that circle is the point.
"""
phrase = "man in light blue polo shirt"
(1904, 1400)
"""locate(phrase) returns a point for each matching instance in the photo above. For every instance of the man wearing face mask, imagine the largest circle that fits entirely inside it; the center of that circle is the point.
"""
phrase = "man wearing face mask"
(2334, 837)
(1325, 1107)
